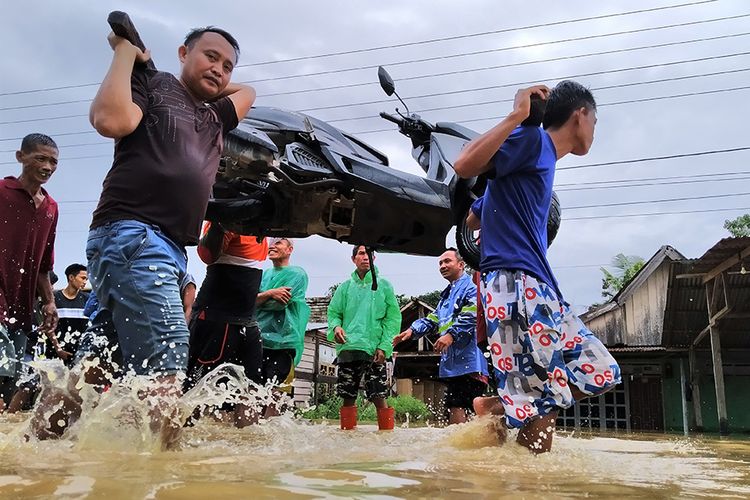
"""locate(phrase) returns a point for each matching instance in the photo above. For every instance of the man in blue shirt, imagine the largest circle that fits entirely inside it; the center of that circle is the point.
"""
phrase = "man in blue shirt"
(546, 359)
(463, 368)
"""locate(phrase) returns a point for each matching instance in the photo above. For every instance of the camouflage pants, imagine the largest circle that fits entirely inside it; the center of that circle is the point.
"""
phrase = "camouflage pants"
(350, 375)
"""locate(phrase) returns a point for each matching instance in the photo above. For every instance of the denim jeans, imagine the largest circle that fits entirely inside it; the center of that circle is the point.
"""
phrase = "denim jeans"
(135, 270)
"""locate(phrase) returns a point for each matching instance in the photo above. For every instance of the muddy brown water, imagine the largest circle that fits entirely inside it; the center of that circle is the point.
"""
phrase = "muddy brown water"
(288, 458)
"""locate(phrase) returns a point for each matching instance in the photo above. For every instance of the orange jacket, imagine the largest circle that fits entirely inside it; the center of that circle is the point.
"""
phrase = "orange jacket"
(236, 249)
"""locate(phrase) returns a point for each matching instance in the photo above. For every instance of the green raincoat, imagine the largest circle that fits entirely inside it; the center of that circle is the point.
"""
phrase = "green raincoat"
(283, 326)
(369, 318)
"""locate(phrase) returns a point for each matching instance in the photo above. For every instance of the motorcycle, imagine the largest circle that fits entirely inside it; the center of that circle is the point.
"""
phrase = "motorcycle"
(283, 173)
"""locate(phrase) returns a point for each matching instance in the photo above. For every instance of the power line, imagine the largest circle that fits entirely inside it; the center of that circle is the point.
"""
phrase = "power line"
(504, 85)
(443, 57)
(448, 73)
(56, 135)
(663, 200)
(563, 186)
(670, 183)
(461, 106)
(654, 214)
(647, 179)
(657, 158)
(566, 208)
(600, 105)
(470, 35)
(511, 65)
(99, 143)
(63, 159)
(530, 82)
(500, 49)
(44, 104)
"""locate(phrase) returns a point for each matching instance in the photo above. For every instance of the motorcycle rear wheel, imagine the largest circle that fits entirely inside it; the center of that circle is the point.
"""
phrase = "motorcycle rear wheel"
(467, 241)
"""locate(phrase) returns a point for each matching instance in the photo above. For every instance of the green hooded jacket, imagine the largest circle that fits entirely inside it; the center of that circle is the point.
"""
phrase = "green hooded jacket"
(369, 318)
(283, 326)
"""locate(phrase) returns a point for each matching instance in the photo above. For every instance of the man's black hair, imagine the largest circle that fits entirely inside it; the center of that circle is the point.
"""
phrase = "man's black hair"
(196, 33)
(32, 141)
(355, 249)
(455, 251)
(73, 270)
(565, 98)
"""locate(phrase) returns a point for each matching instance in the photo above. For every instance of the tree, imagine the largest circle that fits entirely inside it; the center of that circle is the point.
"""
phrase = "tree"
(739, 227)
(430, 298)
(332, 290)
(626, 267)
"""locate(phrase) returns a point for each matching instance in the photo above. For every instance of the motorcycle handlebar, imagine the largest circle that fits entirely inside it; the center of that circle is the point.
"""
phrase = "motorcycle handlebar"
(391, 118)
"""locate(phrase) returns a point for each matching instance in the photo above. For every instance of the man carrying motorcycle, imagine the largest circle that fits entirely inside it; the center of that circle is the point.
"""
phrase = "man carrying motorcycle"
(546, 359)
(168, 132)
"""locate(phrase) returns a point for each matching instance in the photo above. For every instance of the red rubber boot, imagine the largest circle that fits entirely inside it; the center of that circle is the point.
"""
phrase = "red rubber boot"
(386, 419)
(348, 416)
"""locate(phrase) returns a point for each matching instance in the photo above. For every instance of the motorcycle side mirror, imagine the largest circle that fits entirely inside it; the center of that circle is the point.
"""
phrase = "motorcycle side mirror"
(386, 82)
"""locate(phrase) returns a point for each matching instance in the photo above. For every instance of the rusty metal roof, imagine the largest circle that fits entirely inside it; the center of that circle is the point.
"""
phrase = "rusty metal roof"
(686, 311)
(720, 252)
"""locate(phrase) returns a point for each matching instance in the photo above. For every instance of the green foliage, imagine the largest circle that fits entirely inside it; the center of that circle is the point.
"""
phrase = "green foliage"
(409, 405)
(739, 227)
(429, 298)
(626, 267)
(366, 412)
(332, 289)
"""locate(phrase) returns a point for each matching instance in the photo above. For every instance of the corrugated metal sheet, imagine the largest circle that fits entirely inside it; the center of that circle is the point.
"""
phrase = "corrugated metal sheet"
(723, 250)
(682, 312)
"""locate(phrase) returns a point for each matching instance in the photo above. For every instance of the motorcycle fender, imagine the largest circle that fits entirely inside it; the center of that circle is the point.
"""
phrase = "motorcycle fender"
(255, 137)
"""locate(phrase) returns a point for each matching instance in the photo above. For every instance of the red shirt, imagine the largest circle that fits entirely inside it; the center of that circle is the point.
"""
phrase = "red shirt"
(27, 240)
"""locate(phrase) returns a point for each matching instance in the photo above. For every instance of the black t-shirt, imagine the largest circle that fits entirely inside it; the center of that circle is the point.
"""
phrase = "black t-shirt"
(163, 171)
(72, 321)
(228, 293)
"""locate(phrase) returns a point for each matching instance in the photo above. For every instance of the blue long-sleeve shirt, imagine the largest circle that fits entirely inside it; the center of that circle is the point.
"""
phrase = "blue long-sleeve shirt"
(456, 314)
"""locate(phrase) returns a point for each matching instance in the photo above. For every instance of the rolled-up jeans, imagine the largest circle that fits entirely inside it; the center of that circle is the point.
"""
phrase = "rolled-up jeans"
(135, 270)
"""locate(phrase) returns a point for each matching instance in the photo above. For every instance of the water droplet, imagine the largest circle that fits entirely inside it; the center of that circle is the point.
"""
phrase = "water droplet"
(158, 282)
(152, 268)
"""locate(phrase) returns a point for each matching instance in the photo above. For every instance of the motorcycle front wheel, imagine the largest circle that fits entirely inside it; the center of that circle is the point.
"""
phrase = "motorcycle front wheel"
(467, 243)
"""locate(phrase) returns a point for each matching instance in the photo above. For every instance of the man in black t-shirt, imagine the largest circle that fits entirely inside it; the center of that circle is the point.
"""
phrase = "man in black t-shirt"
(70, 302)
(169, 134)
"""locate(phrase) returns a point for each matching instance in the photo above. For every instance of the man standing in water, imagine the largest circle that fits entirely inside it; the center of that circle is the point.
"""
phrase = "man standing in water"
(28, 221)
(223, 327)
(282, 315)
(462, 366)
(70, 303)
(169, 136)
(546, 359)
(363, 322)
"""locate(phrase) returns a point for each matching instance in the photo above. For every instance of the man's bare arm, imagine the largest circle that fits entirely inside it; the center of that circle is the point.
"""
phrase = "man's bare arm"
(113, 113)
(242, 96)
(475, 158)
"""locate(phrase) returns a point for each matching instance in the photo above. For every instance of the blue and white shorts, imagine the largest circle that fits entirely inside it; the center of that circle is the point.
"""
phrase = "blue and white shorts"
(539, 348)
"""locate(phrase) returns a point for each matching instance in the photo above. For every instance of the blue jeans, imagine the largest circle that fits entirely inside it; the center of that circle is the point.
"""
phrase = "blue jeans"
(135, 270)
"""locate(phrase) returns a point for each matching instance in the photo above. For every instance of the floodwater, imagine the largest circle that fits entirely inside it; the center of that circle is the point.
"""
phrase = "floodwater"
(288, 458)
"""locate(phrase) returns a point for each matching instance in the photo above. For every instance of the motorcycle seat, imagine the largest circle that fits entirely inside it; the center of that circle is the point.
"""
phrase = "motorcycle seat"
(455, 130)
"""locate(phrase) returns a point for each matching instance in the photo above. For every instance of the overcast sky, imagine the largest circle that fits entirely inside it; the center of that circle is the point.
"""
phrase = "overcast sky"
(63, 43)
